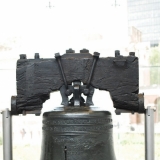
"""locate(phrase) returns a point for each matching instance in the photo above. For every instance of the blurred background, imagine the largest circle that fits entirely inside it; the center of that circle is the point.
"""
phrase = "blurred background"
(51, 26)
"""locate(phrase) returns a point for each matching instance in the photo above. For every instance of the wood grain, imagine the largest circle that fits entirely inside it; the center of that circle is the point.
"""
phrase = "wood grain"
(37, 78)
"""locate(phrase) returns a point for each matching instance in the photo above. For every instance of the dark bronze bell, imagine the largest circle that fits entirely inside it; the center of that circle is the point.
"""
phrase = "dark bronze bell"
(77, 133)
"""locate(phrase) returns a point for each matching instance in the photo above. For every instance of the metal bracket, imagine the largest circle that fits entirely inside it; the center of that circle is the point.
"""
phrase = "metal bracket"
(66, 90)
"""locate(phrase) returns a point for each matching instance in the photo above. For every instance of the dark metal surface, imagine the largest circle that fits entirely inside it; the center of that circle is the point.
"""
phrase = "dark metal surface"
(58, 58)
(80, 133)
(95, 58)
(37, 78)
(14, 106)
(76, 131)
(77, 93)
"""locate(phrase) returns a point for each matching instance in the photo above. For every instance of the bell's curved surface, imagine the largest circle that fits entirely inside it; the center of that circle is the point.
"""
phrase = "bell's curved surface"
(77, 133)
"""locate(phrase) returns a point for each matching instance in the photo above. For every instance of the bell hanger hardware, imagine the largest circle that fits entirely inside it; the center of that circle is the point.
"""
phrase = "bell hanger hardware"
(77, 89)
(76, 74)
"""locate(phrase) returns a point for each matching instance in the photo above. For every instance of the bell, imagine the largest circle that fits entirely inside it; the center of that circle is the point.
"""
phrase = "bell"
(77, 133)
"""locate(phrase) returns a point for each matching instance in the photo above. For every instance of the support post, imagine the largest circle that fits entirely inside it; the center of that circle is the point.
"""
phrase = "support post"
(7, 134)
(149, 131)
(149, 134)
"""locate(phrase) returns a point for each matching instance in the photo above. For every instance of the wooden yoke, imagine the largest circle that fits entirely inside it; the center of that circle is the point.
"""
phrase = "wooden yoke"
(37, 78)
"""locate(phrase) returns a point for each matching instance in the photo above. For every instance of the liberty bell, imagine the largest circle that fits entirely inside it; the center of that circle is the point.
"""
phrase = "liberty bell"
(77, 130)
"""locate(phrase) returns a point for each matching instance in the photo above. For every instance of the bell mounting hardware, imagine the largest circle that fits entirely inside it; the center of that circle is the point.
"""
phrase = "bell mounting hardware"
(76, 130)
(76, 74)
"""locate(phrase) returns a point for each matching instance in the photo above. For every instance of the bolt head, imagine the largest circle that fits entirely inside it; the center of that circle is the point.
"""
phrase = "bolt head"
(86, 91)
(96, 54)
(23, 56)
(70, 50)
(84, 51)
(132, 53)
(57, 55)
(117, 53)
(36, 56)
(68, 92)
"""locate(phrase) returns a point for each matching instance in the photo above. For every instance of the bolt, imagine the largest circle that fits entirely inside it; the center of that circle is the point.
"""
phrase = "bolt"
(70, 51)
(57, 55)
(36, 56)
(68, 92)
(23, 56)
(86, 91)
(117, 53)
(84, 51)
(132, 53)
(96, 54)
